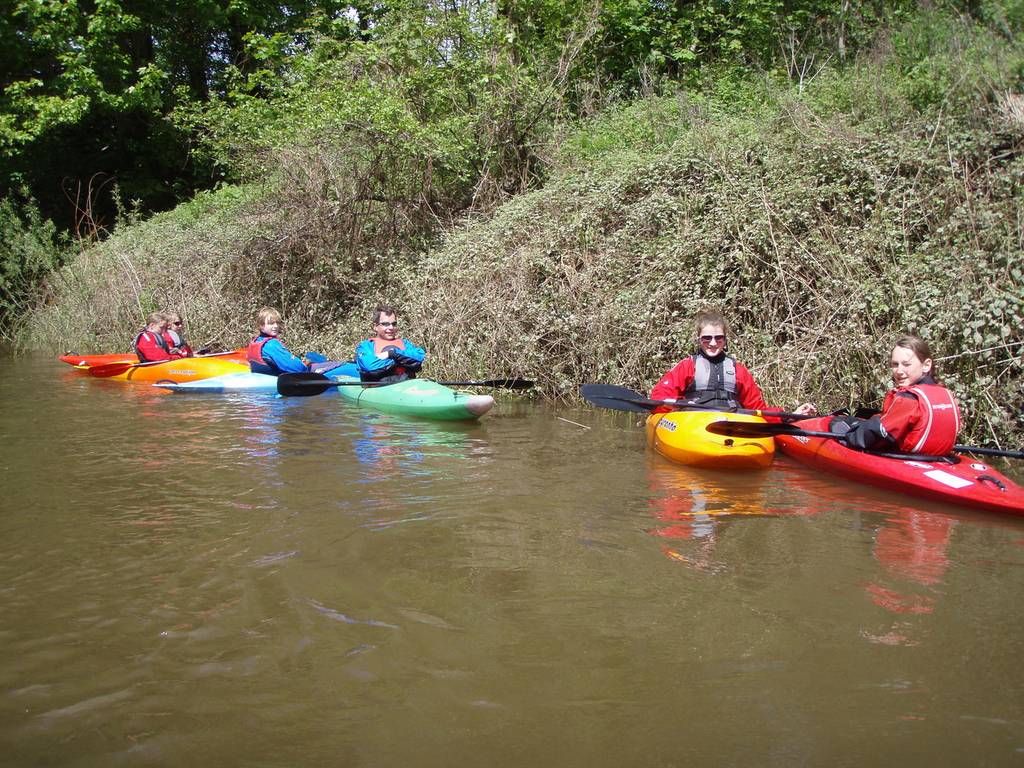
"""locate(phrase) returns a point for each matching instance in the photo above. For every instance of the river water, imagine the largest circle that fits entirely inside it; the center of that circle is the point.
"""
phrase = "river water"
(231, 580)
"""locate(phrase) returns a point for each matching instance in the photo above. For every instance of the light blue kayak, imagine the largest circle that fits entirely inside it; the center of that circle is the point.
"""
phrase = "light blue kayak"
(245, 382)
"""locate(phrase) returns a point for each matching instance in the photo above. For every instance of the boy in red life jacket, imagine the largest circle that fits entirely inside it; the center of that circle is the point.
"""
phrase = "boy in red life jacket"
(150, 344)
(266, 352)
(918, 416)
(386, 356)
(711, 378)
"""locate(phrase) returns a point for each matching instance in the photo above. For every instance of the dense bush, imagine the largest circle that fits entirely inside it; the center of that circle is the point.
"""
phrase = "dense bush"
(29, 250)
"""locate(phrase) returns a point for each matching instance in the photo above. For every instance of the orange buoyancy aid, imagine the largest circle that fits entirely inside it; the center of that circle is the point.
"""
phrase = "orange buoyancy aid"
(379, 345)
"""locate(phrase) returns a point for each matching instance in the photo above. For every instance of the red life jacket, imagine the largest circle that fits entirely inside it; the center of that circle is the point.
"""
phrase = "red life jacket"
(938, 421)
(159, 339)
(254, 352)
(176, 341)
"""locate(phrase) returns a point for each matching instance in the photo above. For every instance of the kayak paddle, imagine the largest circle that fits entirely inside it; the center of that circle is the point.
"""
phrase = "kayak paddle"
(498, 383)
(752, 429)
(307, 384)
(623, 399)
(114, 369)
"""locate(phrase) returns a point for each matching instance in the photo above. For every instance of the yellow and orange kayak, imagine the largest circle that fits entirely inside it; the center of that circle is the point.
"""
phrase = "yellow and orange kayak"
(126, 366)
(182, 370)
(681, 436)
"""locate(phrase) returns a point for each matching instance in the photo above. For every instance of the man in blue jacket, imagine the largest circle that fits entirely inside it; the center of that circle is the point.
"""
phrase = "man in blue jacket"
(386, 356)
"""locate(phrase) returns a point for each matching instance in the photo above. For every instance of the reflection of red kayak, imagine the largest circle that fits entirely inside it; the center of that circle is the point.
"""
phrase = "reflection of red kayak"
(960, 480)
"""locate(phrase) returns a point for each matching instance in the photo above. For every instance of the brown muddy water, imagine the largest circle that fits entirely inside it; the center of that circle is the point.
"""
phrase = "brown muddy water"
(256, 581)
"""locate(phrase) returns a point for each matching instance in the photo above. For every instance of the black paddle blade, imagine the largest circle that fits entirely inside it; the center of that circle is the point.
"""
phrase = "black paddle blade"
(752, 429)
(980, 451)
(616, 398)
(303, 384)
(500, 383)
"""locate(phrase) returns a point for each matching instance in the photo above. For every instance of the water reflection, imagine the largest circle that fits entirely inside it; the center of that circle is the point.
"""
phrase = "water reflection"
(386, 444)
(694, 508)
(911, 546)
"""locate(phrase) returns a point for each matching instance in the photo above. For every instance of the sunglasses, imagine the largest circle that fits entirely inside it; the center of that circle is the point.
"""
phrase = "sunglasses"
(177, 322)
(388, 325)
(708, 339)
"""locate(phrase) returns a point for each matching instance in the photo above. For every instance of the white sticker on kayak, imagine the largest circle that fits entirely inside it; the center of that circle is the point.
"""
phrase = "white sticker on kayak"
(919, 465)
(666, 424)
(947, 479)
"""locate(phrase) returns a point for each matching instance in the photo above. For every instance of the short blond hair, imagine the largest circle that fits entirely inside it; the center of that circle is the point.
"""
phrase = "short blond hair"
(267, 315)
(155, 317)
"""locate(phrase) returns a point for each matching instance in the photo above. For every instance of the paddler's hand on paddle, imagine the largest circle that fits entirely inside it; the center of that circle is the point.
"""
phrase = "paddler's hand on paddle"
(806, 409)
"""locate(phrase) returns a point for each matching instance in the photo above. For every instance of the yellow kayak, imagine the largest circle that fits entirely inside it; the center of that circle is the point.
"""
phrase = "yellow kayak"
(681, 436)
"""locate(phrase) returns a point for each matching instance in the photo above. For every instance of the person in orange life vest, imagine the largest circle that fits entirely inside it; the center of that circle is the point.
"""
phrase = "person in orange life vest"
(175, 334)
(710, 377)
(266, 352)
(918, 416)
(386, 356)
(150, 344)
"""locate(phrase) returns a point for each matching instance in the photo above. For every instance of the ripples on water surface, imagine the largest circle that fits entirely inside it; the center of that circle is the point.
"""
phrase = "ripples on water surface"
(243, 581)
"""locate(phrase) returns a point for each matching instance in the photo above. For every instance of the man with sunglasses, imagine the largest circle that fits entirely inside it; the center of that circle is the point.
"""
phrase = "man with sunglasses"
(710, 377)
(386, 356)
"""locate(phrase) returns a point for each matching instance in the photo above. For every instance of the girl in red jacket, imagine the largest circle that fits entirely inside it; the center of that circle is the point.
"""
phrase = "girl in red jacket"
(918, 416)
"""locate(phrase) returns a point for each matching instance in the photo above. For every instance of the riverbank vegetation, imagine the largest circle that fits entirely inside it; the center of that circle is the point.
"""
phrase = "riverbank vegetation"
(555, 194)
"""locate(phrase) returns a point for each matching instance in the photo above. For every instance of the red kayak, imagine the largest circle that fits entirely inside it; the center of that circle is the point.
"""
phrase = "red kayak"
(961, 480)
(85, 362)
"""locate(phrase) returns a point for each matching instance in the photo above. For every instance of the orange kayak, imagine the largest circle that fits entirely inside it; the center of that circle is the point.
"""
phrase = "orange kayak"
(178, 371)
(84, 362)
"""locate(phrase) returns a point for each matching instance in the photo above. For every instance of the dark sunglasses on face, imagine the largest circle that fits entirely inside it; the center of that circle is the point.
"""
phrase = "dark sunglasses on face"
(708, 339)
(177, 322)
(388, 325)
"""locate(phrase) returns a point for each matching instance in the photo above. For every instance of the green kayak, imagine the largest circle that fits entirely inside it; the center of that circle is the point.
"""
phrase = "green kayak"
(418, 397)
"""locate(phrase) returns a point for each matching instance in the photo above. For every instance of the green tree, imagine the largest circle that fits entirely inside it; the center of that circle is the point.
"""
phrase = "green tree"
(86, 86)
